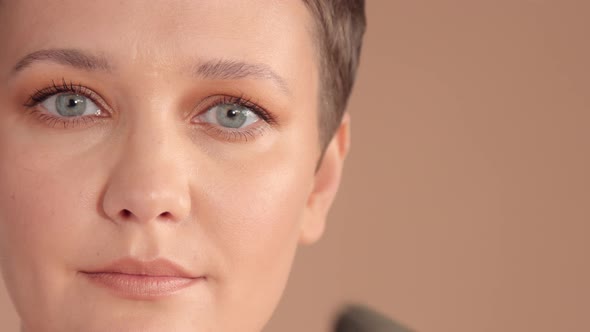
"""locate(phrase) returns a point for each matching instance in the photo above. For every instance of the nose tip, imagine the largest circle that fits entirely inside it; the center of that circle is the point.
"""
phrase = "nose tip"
(148, 177)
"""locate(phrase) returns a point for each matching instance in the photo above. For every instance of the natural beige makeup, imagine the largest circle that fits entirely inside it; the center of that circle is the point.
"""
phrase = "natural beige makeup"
(152, 176)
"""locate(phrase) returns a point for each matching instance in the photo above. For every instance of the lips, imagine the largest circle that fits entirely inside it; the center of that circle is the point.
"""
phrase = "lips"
(142, 280)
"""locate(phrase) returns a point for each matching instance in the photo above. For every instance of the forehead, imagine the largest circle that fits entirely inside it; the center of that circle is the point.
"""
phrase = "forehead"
(162, 34)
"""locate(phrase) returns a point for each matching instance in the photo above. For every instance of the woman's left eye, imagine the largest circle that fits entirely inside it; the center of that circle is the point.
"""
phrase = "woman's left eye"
(230, 115)
(68, 105)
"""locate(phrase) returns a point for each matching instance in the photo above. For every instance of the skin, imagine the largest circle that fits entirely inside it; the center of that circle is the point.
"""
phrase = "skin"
(150, 178)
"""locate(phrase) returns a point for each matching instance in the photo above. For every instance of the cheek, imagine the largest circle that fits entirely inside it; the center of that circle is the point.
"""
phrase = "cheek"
(254, 203)
(254, 215)
(259, 212)
(35, 229)
(43, 213)
(253, 218)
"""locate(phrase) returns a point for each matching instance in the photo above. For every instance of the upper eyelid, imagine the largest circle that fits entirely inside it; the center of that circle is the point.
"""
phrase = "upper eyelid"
(260, 111)
(40, 95)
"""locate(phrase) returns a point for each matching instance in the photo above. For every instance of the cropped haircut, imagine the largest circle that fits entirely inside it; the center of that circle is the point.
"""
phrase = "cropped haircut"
(339, 29)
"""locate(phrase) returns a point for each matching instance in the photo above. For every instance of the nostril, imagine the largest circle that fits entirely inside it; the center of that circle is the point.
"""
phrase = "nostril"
(126, 213)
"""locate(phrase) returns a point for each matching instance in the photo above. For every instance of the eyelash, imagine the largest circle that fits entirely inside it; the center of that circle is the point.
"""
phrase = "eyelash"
(233, 135)
(40, 95)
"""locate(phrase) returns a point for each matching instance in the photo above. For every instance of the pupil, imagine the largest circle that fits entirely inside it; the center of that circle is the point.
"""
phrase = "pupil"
(232, 113)
(72, 103)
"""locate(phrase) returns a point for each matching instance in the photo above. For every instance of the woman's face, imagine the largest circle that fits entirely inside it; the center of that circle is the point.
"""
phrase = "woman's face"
(177, 130)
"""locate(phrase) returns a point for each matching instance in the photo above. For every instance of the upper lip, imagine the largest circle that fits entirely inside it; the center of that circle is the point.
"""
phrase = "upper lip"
(160, 267)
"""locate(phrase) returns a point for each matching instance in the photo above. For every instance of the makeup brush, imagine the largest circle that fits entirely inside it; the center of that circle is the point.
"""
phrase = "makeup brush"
(356, 318)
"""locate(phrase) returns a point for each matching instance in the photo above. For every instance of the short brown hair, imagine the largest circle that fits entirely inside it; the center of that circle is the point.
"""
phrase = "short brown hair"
(339, 29)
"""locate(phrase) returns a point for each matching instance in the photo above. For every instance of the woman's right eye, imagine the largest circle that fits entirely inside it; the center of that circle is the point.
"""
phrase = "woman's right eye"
(68, 105)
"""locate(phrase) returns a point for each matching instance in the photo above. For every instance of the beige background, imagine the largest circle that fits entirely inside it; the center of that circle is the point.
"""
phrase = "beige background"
(466, 199)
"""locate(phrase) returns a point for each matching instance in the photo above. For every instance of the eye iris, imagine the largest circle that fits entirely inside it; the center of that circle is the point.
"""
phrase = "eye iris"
(231, 116)
(70, 105)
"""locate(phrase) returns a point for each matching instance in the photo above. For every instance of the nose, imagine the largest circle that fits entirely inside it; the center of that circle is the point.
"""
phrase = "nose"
(147, 181)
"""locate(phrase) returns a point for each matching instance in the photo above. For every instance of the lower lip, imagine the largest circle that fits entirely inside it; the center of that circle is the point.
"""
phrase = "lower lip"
(141, 287)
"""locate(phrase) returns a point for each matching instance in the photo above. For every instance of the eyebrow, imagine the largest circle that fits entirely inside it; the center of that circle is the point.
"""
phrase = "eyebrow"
(234, 70)
(213, 69)
(68, 57)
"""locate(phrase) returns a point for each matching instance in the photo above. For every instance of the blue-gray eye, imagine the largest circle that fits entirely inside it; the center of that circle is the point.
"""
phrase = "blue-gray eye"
(231, 116)
(70, 105)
